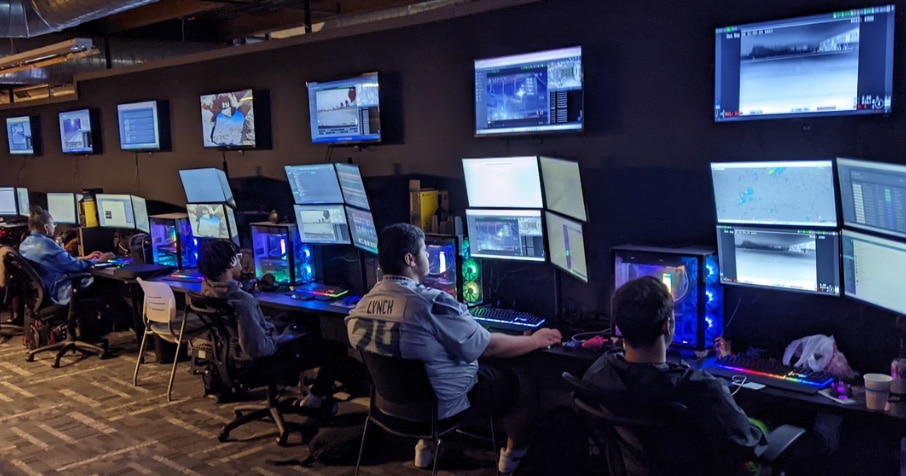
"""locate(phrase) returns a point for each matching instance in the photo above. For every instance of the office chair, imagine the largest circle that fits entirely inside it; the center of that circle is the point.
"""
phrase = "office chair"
(239, 376)
(403, 403)
(637, 436)
(39, 306)
(161, 320)
(8, 286)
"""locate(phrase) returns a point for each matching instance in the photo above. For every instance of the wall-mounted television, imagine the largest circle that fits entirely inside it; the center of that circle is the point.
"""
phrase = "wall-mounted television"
(231, 120)
(345, 111)
(837, 63)
(529, 93)
(144, 126)
(23, 135)
(80, 132)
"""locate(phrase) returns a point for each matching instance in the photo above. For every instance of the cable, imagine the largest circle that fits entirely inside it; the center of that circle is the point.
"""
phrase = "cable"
(738, 381)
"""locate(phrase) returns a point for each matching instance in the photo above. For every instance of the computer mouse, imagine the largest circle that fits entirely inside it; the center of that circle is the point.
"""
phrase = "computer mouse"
(351, 300)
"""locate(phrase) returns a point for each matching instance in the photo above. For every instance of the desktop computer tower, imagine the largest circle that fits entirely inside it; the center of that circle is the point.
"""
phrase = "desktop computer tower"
(691, 274)
(172, 243)
(444, 264)
(277, 250)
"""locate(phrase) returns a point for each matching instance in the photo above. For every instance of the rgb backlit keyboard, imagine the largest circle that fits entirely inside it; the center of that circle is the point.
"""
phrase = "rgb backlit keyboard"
(769, 372)
(506, 319)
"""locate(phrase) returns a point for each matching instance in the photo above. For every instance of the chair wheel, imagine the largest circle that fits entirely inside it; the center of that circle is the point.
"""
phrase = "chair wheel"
(29, 358)
(238, 413)
(55, 365)
(223, 436)
(281, 440)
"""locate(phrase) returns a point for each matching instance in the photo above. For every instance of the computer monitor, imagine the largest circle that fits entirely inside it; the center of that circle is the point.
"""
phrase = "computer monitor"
(529, 93)
(345, 111)
(503, 182)
(22, 201)
(566, 243)
(323, 224)
(793, 193)
(314, 184)
(211, 220)
(228, 120)
(506, 234)
(837, 63)
(791, 259)
(122, 211)
(361, 227)
(873, 269)
(140, 212)
(352, 186)
(8, 201)
(22, 134)
(80, 132)
(563, 187)
(206, 186)
(143, 126)
(873, 196)
(63, 207)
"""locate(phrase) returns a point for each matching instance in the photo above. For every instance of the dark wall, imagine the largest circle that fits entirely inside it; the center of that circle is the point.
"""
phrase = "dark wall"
(644, 155)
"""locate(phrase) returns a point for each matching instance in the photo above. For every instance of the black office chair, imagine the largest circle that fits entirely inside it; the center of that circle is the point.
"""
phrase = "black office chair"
(38, 307)
(403, 403)
(10, 292)
(636, 436)
(233, 376)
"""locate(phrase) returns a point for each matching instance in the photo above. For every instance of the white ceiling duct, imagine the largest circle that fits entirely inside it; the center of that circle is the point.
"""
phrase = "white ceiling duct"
(26, 19)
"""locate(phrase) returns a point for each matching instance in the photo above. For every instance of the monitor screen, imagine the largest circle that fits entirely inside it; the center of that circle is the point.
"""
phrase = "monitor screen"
(873, 195)
(529, 93)
(233, 225)
(206, 186)
(795, 193)
(506, 234)
(8, 201)
(23, 202)
(21, 136)
(563, 187)
(872, 270)
(345, 110)
(566, 242)
(352, 185)
(314, 184)
(115, 211)
(792, 259)
(820, 65)
(140, 126)
(228, 120)
(325, 224)
(503, 182)
(79, 132)
(140, 211)
(63, 208)
(209, 220)
(361, 227)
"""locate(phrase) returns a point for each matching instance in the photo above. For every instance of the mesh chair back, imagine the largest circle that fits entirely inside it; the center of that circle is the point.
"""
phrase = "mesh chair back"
(21, 271)
(401, 387)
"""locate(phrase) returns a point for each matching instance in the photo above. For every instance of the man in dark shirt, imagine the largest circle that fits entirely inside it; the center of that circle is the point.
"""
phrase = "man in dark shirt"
(643, 311)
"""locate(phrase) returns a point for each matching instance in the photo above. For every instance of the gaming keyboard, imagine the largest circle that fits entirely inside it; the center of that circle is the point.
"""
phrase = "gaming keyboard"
(769, 372)
(185, 276)
(506, 319)
(319, 291)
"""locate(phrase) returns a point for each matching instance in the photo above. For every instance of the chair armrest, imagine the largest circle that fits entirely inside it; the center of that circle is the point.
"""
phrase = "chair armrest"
(780, 439)
(74, 277)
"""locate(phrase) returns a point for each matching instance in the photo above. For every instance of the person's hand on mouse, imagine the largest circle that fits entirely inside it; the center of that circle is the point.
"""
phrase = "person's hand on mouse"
(547, 337)
(93, 256)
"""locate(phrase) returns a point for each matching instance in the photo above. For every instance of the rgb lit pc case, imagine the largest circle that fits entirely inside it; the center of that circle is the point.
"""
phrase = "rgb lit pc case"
(691, 274)
(472, 290)
(278, 251)
(443, 265)
(172, 243)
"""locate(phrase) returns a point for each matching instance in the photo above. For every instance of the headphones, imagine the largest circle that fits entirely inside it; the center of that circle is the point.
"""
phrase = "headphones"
(268, 283)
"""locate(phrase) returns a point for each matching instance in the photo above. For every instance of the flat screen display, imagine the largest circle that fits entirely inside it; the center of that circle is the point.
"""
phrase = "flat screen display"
(352, 186)
(23, 201)
(140, 126)
(794, 259)
(62, 207)
(8, 201)
(209, 220)
(78, 132)
(563, 187)
(206, 186)
(796, 193)
(140, 213)
(314, 184)
(836, 63)
(324, 224)
(362, 229)
(873, 269)
(873, 195)
(529, 93)
(228, 120)
(345, 110)
(21, 136)
(503, 182)
(115, 211)
(506, 234)
(566, 242)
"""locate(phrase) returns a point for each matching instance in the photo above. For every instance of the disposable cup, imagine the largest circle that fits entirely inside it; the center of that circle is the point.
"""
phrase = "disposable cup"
(877, 387)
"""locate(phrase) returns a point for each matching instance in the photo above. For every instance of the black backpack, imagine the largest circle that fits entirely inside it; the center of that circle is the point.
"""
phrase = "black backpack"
(559, 445)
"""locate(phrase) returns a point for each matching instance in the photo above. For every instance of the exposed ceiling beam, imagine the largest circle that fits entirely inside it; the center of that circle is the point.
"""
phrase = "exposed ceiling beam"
(157, 12)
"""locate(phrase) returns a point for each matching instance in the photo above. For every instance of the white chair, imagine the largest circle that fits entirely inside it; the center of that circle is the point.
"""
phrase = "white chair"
(160, 319)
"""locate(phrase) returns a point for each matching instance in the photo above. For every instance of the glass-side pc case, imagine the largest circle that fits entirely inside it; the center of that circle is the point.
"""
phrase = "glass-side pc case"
(443, 265)
(172, 243)
(278, 251)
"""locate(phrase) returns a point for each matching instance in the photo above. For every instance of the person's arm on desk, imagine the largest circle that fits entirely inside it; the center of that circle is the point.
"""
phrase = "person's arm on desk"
(504, 345)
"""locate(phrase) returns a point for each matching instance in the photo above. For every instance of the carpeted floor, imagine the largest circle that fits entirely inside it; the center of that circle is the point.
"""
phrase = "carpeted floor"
(87, 418)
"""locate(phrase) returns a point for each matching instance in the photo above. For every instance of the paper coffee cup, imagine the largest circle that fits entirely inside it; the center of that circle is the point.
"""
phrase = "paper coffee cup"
(877, 386)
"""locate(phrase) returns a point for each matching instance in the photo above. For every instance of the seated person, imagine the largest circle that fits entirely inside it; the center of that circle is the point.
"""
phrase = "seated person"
(643, 311)
(51, 261)
(402, 318)
(219, 261)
